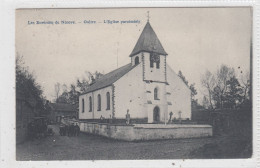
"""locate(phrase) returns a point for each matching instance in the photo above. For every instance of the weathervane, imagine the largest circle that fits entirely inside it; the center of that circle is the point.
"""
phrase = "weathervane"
(148, 17)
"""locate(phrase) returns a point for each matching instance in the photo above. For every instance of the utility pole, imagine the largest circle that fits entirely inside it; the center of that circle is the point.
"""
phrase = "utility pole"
(117, 55)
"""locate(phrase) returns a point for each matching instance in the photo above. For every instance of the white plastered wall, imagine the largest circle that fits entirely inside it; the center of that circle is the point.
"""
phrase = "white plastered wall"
(129, 94)
(154, 73)
(179, 96)
(84, 114)
(133, 58)
(95, 114)
(161, 103)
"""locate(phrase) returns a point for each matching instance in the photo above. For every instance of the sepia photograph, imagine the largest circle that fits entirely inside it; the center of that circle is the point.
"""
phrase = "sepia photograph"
(133, 83)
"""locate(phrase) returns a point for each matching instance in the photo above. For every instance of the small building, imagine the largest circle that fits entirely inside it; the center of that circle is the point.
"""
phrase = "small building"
(59, 110)
(25, 113)
(147, 88)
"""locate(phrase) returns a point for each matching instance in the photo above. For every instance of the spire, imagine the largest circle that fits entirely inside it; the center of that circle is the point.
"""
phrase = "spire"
(148, 17)
(148, 41)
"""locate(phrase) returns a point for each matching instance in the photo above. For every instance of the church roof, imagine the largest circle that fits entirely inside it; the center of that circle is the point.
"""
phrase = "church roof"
(109, 78)
(148, 41)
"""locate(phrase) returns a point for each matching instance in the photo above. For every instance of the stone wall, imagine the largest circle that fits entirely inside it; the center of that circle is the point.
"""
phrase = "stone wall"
(172, 131)
(117, 121)
(145, 131)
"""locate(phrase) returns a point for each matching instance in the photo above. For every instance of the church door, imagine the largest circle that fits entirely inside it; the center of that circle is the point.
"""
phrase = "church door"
(156, 114)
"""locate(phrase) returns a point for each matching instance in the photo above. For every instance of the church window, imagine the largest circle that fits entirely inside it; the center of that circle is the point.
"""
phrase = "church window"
(99, 103)
(154, 58)
(83, 105)
(156, 94)
(136, 60)
(158, 65)
(108, 101)
(90, 104)
(151, 61)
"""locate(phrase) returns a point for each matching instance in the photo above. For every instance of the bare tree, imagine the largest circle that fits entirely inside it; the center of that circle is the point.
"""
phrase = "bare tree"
(205, 102)
(208, 81)
(223, 88)
(64, 88)
(57, 88)
(224, 74)
(245, 84)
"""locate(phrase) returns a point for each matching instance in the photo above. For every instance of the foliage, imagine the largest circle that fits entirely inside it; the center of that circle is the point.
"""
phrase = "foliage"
(26, 85)
(183, 78)
(81, 86)
(233, 93)
(224, 90)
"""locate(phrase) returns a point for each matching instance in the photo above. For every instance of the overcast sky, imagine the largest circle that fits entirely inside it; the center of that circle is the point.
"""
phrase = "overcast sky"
(196, 39)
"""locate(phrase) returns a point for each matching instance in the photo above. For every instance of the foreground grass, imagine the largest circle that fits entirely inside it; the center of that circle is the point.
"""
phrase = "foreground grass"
(228, 147)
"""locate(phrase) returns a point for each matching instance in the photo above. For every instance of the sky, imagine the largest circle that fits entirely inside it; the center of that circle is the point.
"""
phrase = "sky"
(196, 40)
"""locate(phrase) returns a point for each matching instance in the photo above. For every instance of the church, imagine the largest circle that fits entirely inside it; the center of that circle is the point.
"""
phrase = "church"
(147, 88)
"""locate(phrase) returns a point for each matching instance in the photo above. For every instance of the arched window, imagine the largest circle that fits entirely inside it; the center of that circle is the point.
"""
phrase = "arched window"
(90, 104)
(108, 101)
(156, 94)
(99, 103)
(151, 61)
(83, 105)
(158, 65)
(136, 60)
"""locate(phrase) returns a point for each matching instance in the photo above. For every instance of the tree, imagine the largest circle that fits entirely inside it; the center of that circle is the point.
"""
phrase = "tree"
(64, 88)
(98, 75)
(224, 74)
(183, 78)
(224, 89)
(82, 85)
(57, 90)
(233, 94)
(71, 95)
(208, 81)
(26, 84)
(205, 102)
(245, 85)
(193, 93)
(63, 98)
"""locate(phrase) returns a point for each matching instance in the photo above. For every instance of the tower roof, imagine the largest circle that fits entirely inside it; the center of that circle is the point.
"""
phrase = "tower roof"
(149, 42)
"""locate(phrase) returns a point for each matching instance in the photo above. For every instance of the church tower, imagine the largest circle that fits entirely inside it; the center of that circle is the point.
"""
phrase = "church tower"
(150, 53)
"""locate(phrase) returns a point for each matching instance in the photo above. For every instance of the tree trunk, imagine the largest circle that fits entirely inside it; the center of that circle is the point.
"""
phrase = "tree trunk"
(211, 106)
